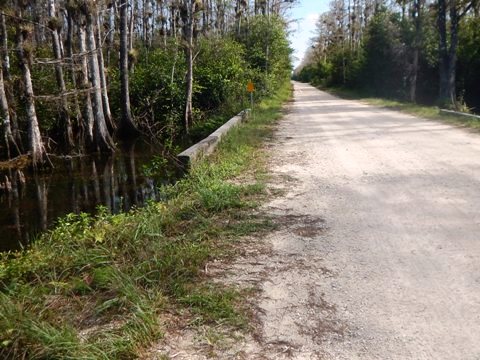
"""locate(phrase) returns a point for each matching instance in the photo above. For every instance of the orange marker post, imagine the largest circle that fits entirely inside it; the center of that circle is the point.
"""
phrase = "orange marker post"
(251, 89)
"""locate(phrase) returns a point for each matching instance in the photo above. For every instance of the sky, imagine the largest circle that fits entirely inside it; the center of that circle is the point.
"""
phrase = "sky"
(306, 13)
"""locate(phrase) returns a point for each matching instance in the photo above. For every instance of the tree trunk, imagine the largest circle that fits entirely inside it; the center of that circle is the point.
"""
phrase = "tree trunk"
(35, 143)
(173, 20)
(69, 55)
(188, 21)
(127, 127)
(64, 113)
(5, 117)
(5, 111)
(103, 141)
(205, 15)
(155, 18)
(111, 32)
(133, 16)
(413, 76)
(4, 41)
(85, 84)
(103, 80)
(7, 77)
(131, 29)
(146, 23)
(188, 104)
(417, 14)
(447, 53)
(452, 54)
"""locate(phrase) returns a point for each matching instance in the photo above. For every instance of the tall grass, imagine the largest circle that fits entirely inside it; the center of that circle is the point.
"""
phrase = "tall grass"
(97, 287)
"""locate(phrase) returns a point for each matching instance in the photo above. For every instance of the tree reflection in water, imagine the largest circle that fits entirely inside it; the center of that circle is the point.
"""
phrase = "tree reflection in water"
(78, 184)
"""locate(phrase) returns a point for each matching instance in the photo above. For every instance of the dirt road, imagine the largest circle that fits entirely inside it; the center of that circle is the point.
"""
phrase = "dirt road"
(380, 256)
(378, 252)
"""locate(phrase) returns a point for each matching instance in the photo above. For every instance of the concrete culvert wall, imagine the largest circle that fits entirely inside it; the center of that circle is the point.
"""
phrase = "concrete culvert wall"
(206, 146)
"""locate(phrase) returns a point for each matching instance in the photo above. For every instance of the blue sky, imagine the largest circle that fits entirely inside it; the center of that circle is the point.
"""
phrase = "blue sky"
(306, 13)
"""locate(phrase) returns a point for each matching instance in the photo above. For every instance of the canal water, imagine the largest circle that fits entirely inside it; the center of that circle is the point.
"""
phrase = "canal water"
(128, 178)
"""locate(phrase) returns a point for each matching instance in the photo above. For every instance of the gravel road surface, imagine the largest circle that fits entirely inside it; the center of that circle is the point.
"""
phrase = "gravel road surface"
(378, 251)
(382, 260)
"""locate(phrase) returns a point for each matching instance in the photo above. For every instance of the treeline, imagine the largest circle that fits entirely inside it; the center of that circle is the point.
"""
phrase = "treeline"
(416, 50)
(76, 75)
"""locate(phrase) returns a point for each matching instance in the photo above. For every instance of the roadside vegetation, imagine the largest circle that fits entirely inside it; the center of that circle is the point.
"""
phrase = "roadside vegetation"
(104, 286)
(107, 286)
(86, 84)
(415, 51)
(81, 76)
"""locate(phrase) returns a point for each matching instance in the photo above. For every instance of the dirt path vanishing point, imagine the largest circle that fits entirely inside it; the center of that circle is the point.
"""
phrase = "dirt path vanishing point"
(379, 257)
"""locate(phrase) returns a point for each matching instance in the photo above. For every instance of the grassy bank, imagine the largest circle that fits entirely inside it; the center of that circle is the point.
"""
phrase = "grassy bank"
(427, 112)
(105, 286)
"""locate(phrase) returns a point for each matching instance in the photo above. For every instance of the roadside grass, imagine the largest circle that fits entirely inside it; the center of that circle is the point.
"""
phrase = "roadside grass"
(99, 287)
(423, 111)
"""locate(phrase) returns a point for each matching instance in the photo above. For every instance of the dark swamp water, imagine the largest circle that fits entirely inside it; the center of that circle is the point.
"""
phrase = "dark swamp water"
(128, 178)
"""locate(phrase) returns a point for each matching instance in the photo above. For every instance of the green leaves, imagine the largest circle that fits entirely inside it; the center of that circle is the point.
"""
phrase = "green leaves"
(267, 52)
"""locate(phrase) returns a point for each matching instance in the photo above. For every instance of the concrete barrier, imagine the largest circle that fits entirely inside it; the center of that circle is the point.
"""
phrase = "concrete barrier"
(459, 114)
(208, 145)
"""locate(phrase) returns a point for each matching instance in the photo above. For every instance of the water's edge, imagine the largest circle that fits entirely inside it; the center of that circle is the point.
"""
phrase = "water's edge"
(128, 178)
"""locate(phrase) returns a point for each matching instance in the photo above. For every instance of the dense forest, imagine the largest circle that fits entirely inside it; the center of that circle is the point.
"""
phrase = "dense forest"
(77, 76)
(416, 50)
(79, 80)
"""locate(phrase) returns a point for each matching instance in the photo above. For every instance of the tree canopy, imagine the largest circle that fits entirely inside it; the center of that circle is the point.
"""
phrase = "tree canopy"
(417, 50)
(79, 75)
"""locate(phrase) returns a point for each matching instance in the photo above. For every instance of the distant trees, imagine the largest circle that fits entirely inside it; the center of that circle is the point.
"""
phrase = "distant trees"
(449, 16)
(73, 70)
(408, 49)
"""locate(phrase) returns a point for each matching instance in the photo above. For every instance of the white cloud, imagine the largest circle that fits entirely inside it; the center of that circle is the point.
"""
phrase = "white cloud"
(312, 18)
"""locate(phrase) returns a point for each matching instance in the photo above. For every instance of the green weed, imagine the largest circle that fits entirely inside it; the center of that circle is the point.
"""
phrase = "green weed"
(212, 304)
(96, 287)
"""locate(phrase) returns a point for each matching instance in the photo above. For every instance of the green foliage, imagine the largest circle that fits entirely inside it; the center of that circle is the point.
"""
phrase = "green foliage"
(223, 65)
(383, 67)
(346, 67)
(210, 303)
(157, 93)
(202, 129)
(109, 277)
(468, 77)
(155, 166)
(382, 61)
(220, 72)
(377, 66)
(20, 327)
(222, 68)
(267, 52)
(218, 196)
(45, 87)
(318, 73)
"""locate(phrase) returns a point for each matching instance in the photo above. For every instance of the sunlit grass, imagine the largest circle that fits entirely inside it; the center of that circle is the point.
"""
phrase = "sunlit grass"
(97, 287)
